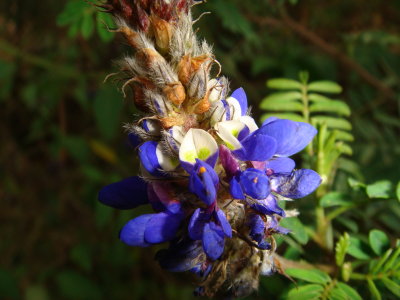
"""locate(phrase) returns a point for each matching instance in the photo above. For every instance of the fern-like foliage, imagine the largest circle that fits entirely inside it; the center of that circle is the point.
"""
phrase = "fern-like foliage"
(300, 100)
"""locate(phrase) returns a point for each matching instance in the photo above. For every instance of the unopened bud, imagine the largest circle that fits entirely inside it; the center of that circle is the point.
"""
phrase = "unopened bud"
(175, 92)
(169, 122)
(162, 33)
(203, 106)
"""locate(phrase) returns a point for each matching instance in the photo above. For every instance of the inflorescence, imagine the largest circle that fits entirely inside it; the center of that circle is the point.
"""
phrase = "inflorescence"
(211, 175)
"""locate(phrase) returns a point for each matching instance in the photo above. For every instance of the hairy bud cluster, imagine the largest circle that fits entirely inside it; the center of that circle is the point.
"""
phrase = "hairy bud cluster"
(212, 176)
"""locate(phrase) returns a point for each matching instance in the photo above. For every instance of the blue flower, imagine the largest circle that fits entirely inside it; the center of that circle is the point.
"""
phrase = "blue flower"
(185, 255)
(211, 226)
(125, 194)
(251, 182)
(154, 160)
(204, 182)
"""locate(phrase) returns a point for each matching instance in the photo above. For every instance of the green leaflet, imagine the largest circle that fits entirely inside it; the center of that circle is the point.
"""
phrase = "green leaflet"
(351, 293)
(335, 199)
(332, 122)
(289, 116)
(378, 241)
(306, 292)
(314, 275)
(298, 231)
(324, 86)
(283, 84)
(332, 106)
(358, 249)
(379, 189)
(373, 290)
(391, 286)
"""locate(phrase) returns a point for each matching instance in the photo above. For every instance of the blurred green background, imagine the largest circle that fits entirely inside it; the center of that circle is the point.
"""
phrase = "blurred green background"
(62, 137)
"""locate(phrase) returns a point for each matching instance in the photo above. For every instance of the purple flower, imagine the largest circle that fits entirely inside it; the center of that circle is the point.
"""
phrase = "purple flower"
(251, 182)
(185, 255)
(149, 229)
(125, 194)
(211, 226)
(204, 182)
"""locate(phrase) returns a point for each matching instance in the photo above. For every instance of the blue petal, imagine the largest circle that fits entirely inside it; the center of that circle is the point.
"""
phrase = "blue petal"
(162, 197)
(126, 194)
(210, 170)
(269, 120)
(181, 256)
(256, 147)
(203, 186)
(280, 164)
(213, 240)
(197, 222)
(162, 227)
(132, 233)
(291, 137)
(134, 139)
(264, 245)
(148, 157)
(257, 227)
(236, 190)
(268, 206)
(223, 222)
(255, 183)
(240, 95)
(298, 184)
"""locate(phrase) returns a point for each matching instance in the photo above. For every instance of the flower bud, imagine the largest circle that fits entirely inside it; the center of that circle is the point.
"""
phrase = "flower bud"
(175, 93)
(162, 33)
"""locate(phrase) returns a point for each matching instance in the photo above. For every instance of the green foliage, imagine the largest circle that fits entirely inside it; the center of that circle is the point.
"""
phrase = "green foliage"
(84, 18)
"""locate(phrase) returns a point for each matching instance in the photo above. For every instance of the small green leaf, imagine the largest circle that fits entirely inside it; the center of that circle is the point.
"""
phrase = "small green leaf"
(331, 122)
(398, 191)
(379, 241)
(391, 286)
(344, 136)
(298, 231)
(341, 248)
(358, 249)
(283, 84)
(380, 189)
(104, 20)
(87, 26)
(334, 199)
(283, 105)
(393, 258)
(318, 98)
(325, 86)
(314, 275)
(282, 96)
(306, 292)
(332, 106)
(72, 12)
(293, 117)
(345, 149)
(351, 293)
(355, 184)
(373, 290)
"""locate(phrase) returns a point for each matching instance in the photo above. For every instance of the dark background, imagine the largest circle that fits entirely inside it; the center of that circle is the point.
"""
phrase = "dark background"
(62, 138)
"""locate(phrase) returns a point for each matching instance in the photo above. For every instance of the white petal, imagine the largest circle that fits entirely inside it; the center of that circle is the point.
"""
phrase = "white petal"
(217, 88)
(228, 131)
(235, 109)
(197, 143)
(249, 121)
(166, 162)
(218, 112)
